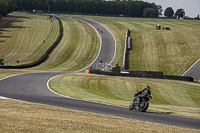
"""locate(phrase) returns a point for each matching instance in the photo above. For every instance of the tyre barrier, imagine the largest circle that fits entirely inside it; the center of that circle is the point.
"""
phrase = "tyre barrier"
(46, 54)
(142, 74)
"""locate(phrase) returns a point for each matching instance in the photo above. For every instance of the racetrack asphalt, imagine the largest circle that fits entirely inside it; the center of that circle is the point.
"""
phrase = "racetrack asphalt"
(194, 71)
(32, 87)
(108, 45)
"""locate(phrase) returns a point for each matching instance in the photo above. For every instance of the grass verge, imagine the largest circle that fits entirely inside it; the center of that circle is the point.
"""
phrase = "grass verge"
(172, 52)
(78, 48)
(26, 117)
(21, 37)
(168, 95)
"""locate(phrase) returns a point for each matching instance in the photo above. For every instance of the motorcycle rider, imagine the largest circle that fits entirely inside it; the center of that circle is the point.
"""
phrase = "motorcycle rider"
(141, 94)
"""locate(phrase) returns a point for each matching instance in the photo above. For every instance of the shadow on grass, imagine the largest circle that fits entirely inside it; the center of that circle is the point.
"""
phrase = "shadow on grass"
(25, 17)
(11, 24)
(4, 30)
(1, 31)
(5, 37)
(18, 27)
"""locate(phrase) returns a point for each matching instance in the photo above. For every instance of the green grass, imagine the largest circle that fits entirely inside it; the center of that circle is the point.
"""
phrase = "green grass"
(78, 48)
(172, 52)
(21, 37)
(10, 72)
(152, 50)
(167, 94)
(26, 117)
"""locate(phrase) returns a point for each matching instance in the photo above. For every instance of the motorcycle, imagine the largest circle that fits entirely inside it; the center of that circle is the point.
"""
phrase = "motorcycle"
(144, 104)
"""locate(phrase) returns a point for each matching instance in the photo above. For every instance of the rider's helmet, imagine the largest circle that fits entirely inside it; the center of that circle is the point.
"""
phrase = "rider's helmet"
(148, 87)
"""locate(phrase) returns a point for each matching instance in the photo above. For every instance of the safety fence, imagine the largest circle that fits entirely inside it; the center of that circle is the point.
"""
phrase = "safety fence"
(126, 48)
(142, 74)
(44, 56)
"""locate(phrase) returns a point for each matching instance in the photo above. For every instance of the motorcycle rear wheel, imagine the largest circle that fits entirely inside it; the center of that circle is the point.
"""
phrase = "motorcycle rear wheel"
(145, 106)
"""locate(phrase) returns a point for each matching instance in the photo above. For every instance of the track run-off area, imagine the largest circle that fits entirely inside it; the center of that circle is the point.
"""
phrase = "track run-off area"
(33, 87)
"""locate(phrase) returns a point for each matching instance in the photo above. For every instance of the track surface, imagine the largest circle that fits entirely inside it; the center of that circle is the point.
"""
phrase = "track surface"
(32, 87)
(194, 71)
(107, 50)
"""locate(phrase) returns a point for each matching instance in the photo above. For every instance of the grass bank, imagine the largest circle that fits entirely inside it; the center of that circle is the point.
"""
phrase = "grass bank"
(21, 38)
(78, 48)
(172, 97)
(26, 117)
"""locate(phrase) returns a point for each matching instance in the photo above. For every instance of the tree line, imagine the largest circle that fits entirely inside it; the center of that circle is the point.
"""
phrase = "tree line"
(130, 7)
(7, 6)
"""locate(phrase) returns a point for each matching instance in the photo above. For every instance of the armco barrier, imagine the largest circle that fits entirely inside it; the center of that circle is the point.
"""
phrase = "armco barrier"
(142, 74)
(46, 54)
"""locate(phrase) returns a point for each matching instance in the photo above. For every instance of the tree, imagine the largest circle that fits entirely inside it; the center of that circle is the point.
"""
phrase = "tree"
(160, 10)
(149, 13)
(197, 17)
(169, 12)
(4, 8)
(7, 6)
(180, 13)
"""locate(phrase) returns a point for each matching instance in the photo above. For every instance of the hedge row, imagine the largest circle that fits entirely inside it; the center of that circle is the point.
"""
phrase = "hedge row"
(45, 56)
(142, 74)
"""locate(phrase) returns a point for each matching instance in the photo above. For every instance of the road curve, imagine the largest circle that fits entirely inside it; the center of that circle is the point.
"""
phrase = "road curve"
(107, 48)
(32, 87)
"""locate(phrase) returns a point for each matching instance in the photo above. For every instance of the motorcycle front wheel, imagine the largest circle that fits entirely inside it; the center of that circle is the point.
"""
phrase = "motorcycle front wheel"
(131, 106)
(144, 106)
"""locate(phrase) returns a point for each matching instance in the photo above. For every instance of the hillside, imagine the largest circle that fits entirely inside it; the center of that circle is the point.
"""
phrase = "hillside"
(78, 48)
(172, 51)
(23, 38)
(152, 50)
(27, 38)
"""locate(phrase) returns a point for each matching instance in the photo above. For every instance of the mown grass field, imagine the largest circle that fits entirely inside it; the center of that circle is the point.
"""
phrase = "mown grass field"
(78, 48)
(172, 97)
(21, 37)
(74, 53)
(26, 117)
(172, 51)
